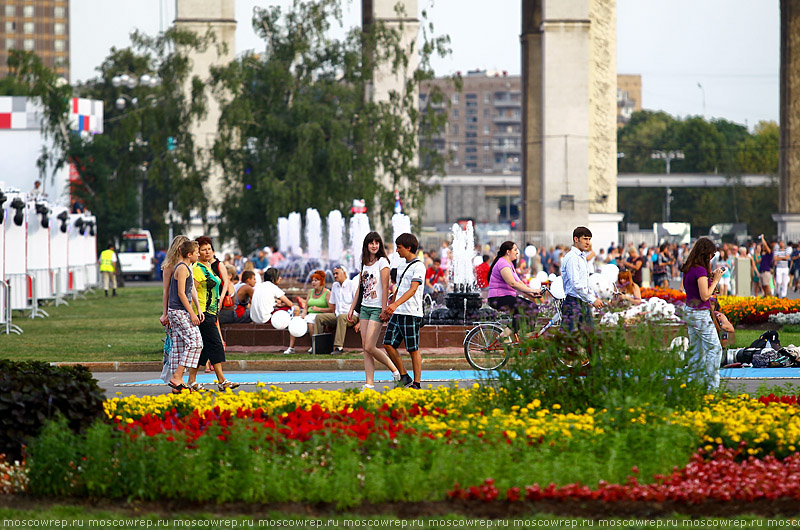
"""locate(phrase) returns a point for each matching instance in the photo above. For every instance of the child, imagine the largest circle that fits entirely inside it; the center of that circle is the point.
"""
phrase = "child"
(405, 312)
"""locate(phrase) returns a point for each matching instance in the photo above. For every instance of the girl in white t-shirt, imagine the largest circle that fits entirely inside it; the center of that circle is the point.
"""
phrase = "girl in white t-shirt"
(374, 282)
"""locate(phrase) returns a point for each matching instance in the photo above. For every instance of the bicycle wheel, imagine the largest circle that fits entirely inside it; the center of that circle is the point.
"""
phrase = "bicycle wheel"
(483, 347)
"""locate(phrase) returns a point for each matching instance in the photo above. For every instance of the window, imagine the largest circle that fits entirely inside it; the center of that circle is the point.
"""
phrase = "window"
(455, 160)
(472, 127)
(27, 11)
(486, 160)
(455, 98)
(58, 28)
(11, 27)
(486, 145)
(28, 27)
(455, 113)
(28, 45)
(455, 129)
(485, 129)
(485, 113)
(11, 11)
(486, 97)
(472, 95)
(58, 45)
(59, 12)
(11, 44)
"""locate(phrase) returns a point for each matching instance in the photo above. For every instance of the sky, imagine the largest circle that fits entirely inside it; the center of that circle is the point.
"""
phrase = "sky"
(717, 58)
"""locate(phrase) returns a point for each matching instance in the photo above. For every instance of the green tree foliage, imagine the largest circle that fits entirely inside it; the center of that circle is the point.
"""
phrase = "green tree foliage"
(298, 128)
(131, 155)
(715, 147)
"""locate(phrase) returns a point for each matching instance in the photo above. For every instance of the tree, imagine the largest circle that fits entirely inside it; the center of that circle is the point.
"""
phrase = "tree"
(130, 162)
(298, 129)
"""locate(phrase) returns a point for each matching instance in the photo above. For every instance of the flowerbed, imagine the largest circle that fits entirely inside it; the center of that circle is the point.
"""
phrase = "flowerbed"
(738, 309)
(720, 477)
(348, 448)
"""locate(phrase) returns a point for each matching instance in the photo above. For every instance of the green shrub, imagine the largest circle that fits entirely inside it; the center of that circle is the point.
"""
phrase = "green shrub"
(627, 367)
(32, 392)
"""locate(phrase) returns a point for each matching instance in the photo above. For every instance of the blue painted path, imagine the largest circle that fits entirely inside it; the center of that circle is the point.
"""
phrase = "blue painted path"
(277, 378)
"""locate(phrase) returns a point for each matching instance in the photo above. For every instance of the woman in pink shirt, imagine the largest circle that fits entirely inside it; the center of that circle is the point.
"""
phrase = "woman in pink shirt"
(504, 283)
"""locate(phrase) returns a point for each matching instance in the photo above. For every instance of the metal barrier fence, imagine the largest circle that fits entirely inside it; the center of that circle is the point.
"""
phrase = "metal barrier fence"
(41, 287)
(5, 311)
(22, 289)
(78, 274)
(60, 285)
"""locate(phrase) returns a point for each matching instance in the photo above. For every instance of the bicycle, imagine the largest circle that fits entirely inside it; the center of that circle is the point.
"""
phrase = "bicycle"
(486, 345)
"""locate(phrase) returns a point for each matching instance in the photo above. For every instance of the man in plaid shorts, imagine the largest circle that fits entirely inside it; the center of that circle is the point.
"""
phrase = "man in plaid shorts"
(406, 311)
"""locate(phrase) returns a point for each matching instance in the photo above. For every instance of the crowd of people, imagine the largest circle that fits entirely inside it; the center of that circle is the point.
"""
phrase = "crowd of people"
(200, 292)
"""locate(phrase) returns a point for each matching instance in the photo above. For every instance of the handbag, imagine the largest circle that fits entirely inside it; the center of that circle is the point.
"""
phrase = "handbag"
(227, 301)
(357, 309)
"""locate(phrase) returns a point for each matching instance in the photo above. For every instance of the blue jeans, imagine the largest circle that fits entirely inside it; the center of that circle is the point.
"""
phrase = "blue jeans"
(575, 309)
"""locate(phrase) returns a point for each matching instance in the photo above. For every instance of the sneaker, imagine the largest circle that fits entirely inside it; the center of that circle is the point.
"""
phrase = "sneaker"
(367, 386)
(396, 376)
(414, 386)
(405, 380)
(288, 351)
(311, 350)
(337, 351)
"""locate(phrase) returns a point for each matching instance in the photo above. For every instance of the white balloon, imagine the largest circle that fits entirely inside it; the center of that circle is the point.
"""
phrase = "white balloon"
(610, 271)
(535, 284)
(541, 276)
(557, 288)
(298, 326)
(530, 251)
(552, 277)
(477, 260)
(280, 319)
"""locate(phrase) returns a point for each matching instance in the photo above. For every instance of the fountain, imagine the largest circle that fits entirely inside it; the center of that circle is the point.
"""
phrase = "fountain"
(401, 224)
(464, 302)
(335, 236)
(283, 235)
(294, 234)
(313, 234)
(359, 228)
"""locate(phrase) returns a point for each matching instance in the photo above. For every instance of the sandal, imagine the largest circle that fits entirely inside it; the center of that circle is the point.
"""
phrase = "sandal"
(227, 384)
(177, 389)
(195, 387)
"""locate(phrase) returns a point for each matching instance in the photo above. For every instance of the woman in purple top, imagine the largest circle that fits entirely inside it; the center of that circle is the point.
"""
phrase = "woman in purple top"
(504, 283)
(699, 283)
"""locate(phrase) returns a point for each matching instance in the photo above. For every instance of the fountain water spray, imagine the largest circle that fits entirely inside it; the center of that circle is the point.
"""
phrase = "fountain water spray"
(463, 250)
(335, 236)
(283, 235)
(359, 228)
(294, 234)
(401, 224)
(313, 233)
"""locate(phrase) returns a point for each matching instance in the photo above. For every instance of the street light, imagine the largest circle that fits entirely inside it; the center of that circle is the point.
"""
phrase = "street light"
(131, 81)
(668, 156)
(703, 90)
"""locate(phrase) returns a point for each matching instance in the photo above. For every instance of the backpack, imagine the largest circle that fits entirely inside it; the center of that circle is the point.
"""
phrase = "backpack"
(768, 339)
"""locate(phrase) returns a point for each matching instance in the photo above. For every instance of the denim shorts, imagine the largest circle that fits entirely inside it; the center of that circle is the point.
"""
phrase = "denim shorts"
(370, 313)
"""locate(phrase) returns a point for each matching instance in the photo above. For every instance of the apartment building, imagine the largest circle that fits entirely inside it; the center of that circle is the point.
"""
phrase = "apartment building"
(40, 26)
(484, 130)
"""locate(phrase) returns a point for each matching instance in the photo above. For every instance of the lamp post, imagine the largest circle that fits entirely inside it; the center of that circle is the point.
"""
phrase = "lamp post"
(129, 81)
(703, 90)
(668, 156)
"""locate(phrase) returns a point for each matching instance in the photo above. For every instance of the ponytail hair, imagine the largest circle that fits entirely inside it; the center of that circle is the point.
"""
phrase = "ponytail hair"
(504, 248)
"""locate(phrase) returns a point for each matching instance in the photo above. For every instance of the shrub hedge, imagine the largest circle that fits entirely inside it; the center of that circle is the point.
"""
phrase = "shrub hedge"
(32, 392)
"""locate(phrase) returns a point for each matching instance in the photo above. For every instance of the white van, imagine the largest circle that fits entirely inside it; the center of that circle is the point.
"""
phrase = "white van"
(136, 254)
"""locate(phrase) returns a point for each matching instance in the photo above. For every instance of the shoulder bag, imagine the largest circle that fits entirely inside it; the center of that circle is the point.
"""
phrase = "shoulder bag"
(360, 294)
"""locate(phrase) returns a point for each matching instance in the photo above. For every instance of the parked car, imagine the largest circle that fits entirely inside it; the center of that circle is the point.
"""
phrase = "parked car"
(137, 254)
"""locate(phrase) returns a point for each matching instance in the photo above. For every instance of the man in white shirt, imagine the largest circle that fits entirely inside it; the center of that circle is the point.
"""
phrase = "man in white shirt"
(343, 291)
(575, 273)
(782, 257)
